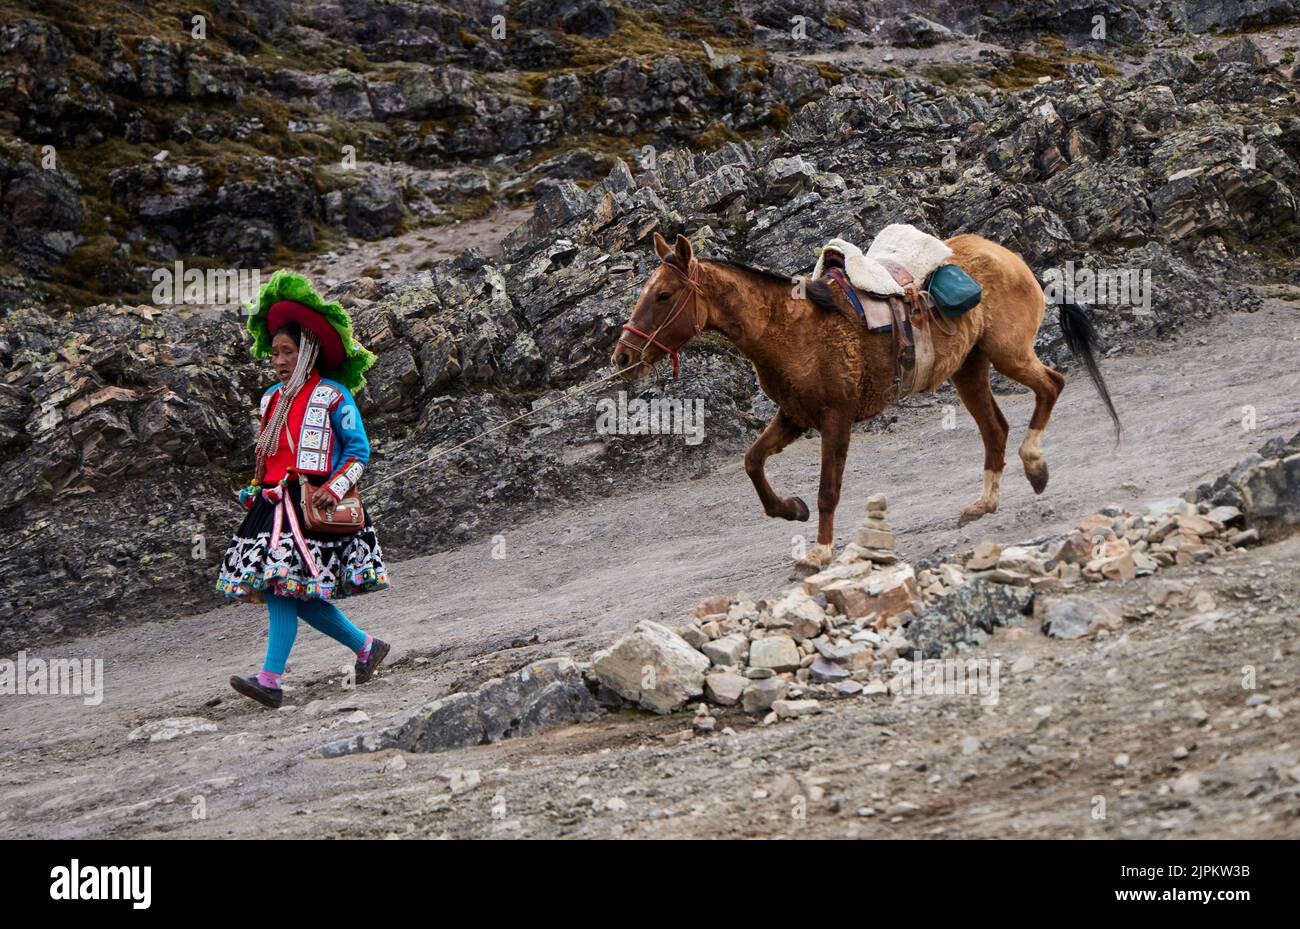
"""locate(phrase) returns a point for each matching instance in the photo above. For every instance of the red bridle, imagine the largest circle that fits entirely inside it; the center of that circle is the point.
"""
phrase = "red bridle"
(692, 289)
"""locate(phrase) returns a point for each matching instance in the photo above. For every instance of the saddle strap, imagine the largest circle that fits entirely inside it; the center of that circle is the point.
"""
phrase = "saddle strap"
(900, 273)
(850, 291)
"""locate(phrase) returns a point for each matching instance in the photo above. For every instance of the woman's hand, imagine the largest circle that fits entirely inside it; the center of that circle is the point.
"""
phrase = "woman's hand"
(324, 500)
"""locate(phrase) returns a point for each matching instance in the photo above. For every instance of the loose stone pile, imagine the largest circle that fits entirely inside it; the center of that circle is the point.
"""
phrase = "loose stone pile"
(1116, 544)
(836, 633)
(852, 628)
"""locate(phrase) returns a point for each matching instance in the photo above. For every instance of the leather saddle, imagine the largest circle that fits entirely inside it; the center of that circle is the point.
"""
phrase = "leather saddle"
(907, 317)
(919, 304)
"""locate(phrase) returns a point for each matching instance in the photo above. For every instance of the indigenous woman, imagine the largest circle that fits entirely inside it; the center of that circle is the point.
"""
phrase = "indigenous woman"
(310, 426)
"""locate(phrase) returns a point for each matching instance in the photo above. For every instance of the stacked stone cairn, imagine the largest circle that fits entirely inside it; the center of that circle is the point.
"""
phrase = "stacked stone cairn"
(833, 634)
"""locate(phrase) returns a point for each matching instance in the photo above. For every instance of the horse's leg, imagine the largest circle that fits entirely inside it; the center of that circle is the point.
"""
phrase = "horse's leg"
(836, 430)
(1046, 383)
(972, 383)
(779, 433)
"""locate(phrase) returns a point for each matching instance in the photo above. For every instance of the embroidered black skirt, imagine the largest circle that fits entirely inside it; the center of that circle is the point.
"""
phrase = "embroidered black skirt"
(344, 564)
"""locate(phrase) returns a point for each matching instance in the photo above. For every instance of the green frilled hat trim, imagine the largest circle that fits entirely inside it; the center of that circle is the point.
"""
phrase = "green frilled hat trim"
(286, 285)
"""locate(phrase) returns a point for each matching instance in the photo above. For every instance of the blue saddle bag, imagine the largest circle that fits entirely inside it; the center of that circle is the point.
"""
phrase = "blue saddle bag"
(953, 290)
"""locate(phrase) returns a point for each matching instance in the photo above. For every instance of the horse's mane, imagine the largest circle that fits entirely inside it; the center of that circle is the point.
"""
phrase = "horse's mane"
(818, 291)
(740, 266)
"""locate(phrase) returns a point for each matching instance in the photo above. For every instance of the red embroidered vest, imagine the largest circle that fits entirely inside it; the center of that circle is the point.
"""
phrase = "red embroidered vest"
(309, 418)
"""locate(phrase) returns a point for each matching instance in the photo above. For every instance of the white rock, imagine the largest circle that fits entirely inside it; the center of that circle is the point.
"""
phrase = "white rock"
(724, 688)
(460, 780)
(777, 652)
(164, 730)
(728, 650)
(653, 667)
(789, 709)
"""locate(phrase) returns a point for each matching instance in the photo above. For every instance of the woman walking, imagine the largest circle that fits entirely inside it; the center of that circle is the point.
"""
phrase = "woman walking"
(311, 429)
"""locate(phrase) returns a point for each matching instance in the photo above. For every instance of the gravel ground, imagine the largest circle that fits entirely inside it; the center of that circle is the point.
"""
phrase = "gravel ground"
(1041, 762)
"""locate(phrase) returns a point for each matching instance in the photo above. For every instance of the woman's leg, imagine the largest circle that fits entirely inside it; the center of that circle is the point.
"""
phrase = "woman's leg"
(279, 641)
(325, 617)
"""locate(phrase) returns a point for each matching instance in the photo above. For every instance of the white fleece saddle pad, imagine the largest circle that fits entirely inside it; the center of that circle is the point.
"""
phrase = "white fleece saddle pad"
(919, 252)
(866, 274)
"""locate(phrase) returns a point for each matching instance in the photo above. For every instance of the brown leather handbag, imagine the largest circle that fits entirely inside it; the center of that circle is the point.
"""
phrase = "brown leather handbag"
(345, 516)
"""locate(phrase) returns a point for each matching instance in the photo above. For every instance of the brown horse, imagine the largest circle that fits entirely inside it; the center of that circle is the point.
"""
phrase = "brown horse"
(824, 370)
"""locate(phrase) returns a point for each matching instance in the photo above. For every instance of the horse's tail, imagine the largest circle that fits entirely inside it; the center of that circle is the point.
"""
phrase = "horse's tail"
(1081, 337)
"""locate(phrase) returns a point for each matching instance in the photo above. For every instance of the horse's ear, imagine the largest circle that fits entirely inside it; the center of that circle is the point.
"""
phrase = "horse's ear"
(684, 252)
(662, 248)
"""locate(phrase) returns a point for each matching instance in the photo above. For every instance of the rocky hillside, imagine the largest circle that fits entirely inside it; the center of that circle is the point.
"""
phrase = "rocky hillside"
(125, 427)
(253, 132)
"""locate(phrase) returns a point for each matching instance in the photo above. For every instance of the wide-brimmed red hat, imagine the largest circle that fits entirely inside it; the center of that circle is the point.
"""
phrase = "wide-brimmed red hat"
(331, 343)
(289, 297)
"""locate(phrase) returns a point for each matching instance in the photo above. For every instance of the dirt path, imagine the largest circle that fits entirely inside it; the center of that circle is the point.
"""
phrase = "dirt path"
(396, 255)
(574, 581)
(415, 250)
(1274, 42)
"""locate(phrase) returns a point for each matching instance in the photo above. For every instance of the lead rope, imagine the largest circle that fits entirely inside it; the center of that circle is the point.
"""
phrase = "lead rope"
(436, 452)
(692, 290)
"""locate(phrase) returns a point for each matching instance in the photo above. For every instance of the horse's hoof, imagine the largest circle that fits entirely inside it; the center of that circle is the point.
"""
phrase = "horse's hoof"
(815, 560)
(970, 514)
(1038, 479)
(800, 510)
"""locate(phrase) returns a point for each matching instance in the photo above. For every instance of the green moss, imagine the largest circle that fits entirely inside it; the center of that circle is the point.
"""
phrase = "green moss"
(951, 74)
(715, 136)
(534, 82)
(643, 34)
(90, 272)
(1026, 69)
(473, 208)
(832, 74)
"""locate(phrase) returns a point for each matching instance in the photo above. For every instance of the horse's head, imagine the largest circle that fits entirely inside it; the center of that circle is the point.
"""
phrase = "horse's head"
(667, 315)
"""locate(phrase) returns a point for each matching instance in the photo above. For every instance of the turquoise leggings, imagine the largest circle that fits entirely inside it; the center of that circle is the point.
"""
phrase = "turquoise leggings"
(319, 614)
